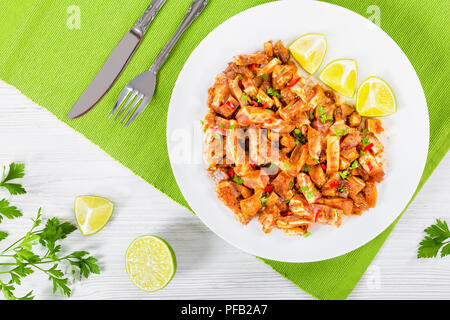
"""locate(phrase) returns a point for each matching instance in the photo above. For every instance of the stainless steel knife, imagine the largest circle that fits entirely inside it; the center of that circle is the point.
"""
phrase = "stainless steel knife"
(116, 62)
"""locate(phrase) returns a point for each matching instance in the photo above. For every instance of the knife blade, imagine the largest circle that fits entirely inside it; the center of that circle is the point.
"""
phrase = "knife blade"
(115, 63)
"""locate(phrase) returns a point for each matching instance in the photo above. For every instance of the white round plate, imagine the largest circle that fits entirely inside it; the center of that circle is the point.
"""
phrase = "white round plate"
(349, 35)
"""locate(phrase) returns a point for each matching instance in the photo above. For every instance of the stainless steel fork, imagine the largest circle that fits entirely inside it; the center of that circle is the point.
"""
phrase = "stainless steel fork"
(140, 90)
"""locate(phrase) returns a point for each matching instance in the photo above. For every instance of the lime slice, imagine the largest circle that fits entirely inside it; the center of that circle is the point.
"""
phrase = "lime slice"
(341, 75)
(309, 51)
(375, 98)
(150, 263)
(92, 213)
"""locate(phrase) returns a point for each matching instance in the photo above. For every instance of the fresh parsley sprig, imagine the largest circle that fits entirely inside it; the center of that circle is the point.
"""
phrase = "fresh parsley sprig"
(438, 237)
(16, 171)
(39, 250)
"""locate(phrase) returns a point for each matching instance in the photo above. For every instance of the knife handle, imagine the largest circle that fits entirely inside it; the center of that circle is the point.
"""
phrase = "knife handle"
(141, 26)
(192, 13)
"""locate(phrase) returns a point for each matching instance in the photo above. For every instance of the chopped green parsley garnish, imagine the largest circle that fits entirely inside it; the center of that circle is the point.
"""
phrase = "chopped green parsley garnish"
(244, 97)
(306, 235)
(344, 174)
(238, 180)
(264, 201)
(365, 142)
(339, 132)
(306, 168)
(354, 165)
(321, 110)
(326, 117)
(264, 76)
(273, 92)
(343, 190)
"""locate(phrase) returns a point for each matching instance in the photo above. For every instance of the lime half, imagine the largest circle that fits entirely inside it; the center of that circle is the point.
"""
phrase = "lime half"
(375, 98)
(341, 75)
(309, 51)
(150, 263)
(92, 213)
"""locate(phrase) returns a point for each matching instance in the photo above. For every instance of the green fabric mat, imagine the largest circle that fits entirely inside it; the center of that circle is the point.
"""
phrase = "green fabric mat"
(52, 65)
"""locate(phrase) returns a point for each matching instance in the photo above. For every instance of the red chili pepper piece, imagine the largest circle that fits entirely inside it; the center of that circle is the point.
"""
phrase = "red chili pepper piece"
(317, 214)
(324, 167)
(369, 164)
(228, 103)
(231, 172)
(265, 105)
(253, 67)
(268, 188)
(334, 184)
(368, 147)
(254, 103)
(287, 213)
(293, 82)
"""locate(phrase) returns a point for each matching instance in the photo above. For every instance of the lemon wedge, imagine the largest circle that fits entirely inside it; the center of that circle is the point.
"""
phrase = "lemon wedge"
(341, 75)
(309, 51)
(92, 213)
(150, 263)
(375, 98)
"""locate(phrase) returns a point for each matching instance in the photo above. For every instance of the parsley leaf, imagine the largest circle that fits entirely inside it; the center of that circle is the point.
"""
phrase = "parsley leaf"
(16, 171)
(321, 110)
(326, 117)
(8, 211)
(354, 165)
(3, 235)
(237, 179)
(344, 174)
(438, 237)
(264, 201)
(365, 142)
(273, 92)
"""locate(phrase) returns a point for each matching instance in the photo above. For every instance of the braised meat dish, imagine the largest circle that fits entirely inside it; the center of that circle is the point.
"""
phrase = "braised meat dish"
(286, 150)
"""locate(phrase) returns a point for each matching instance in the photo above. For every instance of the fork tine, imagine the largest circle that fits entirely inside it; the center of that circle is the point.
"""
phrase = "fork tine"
(120, 100)
(135, 102)
(126, 104)
(145, 102)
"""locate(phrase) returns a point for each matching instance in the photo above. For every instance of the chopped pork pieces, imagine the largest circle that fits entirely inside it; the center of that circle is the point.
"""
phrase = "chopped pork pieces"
(285, 150)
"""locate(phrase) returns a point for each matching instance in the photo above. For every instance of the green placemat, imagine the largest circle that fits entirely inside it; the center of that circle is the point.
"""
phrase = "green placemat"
(52, 65)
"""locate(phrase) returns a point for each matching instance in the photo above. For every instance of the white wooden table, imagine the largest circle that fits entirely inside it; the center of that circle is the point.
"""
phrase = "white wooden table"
(61, 163)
